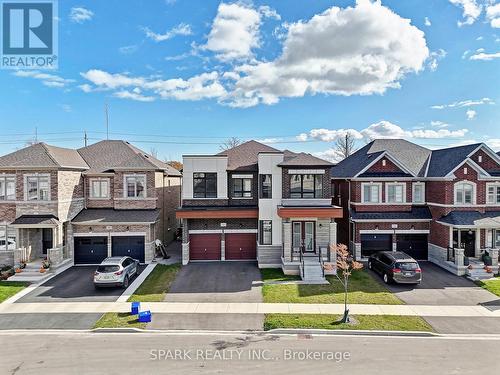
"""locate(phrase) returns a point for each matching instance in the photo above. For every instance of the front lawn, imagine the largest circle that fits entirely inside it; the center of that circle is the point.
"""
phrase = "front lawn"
(363, 289)
(156, 285)
(492, 285)
(119, 320)
(362, 322)
(9, 288)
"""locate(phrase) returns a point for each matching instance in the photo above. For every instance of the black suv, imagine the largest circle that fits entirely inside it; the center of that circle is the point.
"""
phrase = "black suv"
(395, 266)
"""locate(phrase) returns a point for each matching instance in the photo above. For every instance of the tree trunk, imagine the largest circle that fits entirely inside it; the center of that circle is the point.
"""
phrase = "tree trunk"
(345, 318)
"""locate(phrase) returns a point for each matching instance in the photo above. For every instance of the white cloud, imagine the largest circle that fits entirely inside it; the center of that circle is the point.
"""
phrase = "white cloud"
(80, 14)
(471, 114)
(465, 54)
(331, 155)
(128, 49)
(471, 11)
(485, 56)
(465, 103)
(202, 86)
(269, 12)
(270, 140)
(493, 15)
(181, 29)
(427, 21)
(329, 135)
(435, 57)
(49, 80)
(494, 143)
(439, 124)
(362, 50)
(479, 38)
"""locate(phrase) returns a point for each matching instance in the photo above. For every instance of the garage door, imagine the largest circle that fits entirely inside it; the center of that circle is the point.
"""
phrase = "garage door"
(241, 246)
(371, 243)
(90, 250)
(415, 245)
(132, 246)
(204, 247)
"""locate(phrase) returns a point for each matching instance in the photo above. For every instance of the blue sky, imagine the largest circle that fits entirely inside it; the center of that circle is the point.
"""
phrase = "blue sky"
(180, 76)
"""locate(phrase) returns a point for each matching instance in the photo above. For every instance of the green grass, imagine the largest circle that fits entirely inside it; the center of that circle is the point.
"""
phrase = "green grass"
(491, 285)
(156, 285)
(362, 322)
(276, 274)
(363, 289)
(119, 320)
(9, 288)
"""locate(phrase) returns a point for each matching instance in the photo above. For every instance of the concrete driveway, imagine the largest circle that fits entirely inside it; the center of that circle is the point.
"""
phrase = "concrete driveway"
(73, 285)
(440, 287)
(214, 282)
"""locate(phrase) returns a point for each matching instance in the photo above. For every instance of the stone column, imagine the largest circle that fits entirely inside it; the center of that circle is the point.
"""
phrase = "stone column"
(459, 257)
(494, 257)
(287, 241)
(185, 242)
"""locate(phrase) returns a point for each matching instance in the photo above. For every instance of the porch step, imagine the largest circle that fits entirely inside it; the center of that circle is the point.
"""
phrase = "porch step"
(476, 271)
(312, 272)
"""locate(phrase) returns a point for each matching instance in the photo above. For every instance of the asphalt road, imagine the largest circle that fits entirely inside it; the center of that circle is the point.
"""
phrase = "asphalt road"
(158, 353)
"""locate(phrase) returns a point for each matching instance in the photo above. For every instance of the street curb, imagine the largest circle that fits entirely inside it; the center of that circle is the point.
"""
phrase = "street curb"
(346, 332)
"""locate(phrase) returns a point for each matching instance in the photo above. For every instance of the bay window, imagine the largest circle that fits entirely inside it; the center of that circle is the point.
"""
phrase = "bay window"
(135, 186)
(7, 188)
(464, 193)
(306, 186)
(37, 188)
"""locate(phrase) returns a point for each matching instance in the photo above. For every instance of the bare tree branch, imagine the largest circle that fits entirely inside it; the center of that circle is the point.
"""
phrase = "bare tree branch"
(230, 143)
(345, 146)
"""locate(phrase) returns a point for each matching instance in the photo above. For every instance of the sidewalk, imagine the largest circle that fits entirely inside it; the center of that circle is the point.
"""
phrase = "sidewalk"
(249, 308)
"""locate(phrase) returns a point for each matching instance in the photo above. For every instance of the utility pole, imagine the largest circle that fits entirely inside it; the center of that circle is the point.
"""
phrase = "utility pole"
(85, 138)
(107, 120)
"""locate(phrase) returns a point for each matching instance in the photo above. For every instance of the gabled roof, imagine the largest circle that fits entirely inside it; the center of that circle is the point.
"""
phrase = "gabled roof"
(244, 157)
(469, 217)
(413, 157)
(291, 159)
(446, 160)
(41, 155)
(109, 155)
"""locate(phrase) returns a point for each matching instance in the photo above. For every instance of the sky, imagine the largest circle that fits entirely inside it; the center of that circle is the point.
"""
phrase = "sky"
(178, 77)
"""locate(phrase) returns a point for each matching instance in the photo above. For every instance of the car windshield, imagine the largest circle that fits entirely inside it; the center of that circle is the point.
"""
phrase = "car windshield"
(407, 266)
(107, 269)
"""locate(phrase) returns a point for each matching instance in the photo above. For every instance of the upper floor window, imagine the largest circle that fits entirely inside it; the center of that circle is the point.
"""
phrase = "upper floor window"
(135, 186)
(493, 194)
(99, 188)
(371, 193)
(7, 188)
(464, 193)
(266, 186)
(418, 193)
(306, 186)
(204, 185)
(395, 193)
(242, 188)
(37, 188)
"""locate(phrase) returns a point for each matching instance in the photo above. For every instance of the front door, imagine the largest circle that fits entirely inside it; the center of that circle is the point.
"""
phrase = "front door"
(303, 236)
(468, 238)
(47, 242)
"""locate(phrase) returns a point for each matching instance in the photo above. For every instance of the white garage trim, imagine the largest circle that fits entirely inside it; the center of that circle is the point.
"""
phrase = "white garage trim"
(216, 231)
(93, 234)
(126, 234)
(401, 231)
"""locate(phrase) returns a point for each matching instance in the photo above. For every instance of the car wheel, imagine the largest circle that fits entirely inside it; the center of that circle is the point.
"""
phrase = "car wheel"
(386, 278)
(125, 282)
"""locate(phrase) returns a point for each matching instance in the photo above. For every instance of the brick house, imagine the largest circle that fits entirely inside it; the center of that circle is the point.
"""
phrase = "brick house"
(438, 205)
(254, 202)
(83, 205)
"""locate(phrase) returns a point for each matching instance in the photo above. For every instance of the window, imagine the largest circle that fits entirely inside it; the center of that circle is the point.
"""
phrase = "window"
(7, 238)
(371, 193)
(266, 232)
(99, 188)
(266, 186)
(395, 193)
(7, 188)
(493, 196)
(306, 186)
(464, 192)
(496, 239)
(37, 188)
(204, 185)
(242, 188)
(135, 186)
(418, 192)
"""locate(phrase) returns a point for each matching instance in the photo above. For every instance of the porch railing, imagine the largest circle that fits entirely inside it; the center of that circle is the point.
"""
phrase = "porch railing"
(450, 257)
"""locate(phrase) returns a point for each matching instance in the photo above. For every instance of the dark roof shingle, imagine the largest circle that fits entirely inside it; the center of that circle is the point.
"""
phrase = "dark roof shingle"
(93, 216)
(244, 157)
(469, 217)
(41, 155)
(417, 213)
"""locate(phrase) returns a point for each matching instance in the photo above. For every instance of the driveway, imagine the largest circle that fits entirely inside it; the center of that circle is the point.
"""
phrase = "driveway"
(214, 282)
(73, 285)
(440, 287)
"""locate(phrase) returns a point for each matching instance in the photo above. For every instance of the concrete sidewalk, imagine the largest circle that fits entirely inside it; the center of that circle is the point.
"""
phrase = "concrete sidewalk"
(251, 308)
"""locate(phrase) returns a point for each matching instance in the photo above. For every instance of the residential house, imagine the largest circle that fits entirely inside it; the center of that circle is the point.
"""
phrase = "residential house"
(81, 206)
(441, 205)
(254, 202)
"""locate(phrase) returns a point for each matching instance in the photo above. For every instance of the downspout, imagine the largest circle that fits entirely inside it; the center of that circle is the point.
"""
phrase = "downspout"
(348, 214)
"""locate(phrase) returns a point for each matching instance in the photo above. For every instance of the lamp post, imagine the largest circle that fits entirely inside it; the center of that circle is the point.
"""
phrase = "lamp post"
(394, 227)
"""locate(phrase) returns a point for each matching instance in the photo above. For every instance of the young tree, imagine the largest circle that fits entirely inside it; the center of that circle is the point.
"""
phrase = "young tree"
(175, 164)
(230, 143)
(345, 146)
(345, 266)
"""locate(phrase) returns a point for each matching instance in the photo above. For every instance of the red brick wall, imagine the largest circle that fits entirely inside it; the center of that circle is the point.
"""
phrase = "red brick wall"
(440, 235)
(389, 166)
(488, 163)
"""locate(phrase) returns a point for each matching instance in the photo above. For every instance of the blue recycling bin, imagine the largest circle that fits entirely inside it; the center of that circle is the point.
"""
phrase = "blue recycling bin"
(136, 307)
(144, 316)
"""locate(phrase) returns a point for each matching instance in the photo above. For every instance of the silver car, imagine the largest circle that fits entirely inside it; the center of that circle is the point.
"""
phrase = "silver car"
(115, 271)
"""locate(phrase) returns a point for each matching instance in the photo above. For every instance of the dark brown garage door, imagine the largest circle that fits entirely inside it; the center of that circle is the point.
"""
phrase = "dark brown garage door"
(204, 247)
(241, 246)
